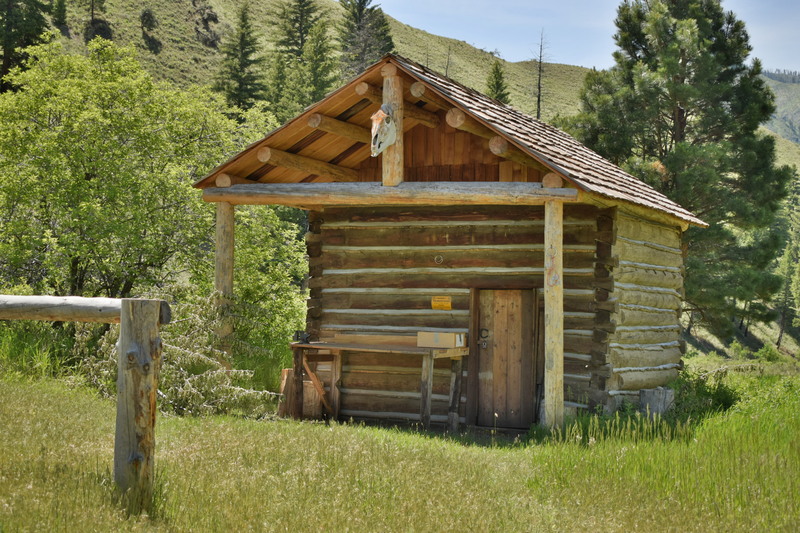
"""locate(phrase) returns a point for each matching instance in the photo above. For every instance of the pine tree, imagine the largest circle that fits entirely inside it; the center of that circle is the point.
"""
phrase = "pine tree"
(364, 36)
(303, 64)
(319, 64)
(21, 24)
(240, 77)
(681, 109)
(60, 13)
(496, 83)
(294, 20)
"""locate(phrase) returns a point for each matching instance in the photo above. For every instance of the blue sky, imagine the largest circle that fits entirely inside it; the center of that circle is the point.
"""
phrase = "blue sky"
(579, 32)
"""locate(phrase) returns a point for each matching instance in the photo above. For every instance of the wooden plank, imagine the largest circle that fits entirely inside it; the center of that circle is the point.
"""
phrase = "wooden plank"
(372, 340)
(487, 325)
(312, 195)
(138, 367)
(336, 376)
(318, 386)
(500, 336)
(553, 316)
(527, 382)
(426, 390)
(456, 373)
(296, 402)
(473, 362)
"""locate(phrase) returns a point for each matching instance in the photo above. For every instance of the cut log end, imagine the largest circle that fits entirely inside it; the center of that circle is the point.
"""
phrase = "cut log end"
(456, 117)
(551, 180)
(388, 70)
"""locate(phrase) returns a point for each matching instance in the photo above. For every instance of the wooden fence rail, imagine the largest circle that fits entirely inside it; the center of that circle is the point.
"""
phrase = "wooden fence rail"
(138, 365)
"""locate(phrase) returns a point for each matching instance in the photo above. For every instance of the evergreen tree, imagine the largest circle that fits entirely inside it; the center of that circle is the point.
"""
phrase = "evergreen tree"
(496, 83)
(319, 64)
(21, 24)
(60, 13)
(364, 36)
(294, 20)
(284, 86)
(240, 77)
(680, 109)
(303, 64)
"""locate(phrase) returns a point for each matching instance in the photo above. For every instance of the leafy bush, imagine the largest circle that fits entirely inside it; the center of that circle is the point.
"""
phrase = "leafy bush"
(700, 395)
(738, 351)
(194, 379)
(769, 354)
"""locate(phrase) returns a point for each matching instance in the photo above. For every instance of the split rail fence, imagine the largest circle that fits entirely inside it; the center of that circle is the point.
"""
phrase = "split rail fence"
(138, 365)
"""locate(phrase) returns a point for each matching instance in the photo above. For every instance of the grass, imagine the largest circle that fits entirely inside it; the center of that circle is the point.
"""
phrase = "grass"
(733, 471)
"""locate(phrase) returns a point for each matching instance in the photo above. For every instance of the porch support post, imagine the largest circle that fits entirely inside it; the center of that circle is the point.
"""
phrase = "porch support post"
(223, 273)
(426, 390)
(393, 155)
(553, 314)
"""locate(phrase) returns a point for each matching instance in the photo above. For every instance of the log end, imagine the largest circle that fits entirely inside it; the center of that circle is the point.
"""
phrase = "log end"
(456, 117)
(264, 154)
(551, 180)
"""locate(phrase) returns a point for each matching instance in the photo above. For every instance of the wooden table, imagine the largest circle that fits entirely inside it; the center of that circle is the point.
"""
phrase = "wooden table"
(299, 350)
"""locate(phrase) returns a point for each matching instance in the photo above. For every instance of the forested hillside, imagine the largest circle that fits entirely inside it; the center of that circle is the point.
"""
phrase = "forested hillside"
(184, 48)
(182, 42)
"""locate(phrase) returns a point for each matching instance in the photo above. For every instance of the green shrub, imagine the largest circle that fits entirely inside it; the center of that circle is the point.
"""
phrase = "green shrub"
(738, 351)
(769, 354)
(700, 395)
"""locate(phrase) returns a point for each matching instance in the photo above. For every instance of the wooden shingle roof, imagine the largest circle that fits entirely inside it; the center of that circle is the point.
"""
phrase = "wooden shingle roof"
(555, 149)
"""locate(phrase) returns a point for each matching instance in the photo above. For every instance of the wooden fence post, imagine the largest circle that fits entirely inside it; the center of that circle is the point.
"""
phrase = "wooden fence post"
(138, 363)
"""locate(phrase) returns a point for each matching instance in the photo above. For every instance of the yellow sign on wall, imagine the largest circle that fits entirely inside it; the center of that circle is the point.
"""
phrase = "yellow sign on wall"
(442, 303)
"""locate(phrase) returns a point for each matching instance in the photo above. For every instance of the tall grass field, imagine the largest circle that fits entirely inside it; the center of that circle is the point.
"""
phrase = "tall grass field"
(734, 471)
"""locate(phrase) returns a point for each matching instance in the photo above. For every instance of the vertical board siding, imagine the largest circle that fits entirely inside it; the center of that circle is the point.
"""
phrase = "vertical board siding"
(446, 154)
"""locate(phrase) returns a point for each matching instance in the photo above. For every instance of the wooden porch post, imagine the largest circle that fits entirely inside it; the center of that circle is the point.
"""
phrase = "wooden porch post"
(426, 390)
(553, 307)
(223, 272)
(393, 155)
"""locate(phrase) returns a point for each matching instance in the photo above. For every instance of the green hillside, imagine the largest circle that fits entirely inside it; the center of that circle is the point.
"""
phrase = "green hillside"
(184, 49)
(786, 121)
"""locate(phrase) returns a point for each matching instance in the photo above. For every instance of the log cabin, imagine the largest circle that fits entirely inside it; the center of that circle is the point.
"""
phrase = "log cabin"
(485, 269)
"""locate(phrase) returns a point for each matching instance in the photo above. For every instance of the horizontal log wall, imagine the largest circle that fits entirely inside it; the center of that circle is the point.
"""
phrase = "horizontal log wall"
(375, 271)
(644, 351)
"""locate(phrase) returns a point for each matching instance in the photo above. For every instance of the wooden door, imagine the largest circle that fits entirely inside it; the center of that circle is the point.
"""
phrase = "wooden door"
(508, 366)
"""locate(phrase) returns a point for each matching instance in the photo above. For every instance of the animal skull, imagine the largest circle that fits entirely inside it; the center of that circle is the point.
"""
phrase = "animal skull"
(384, 129)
